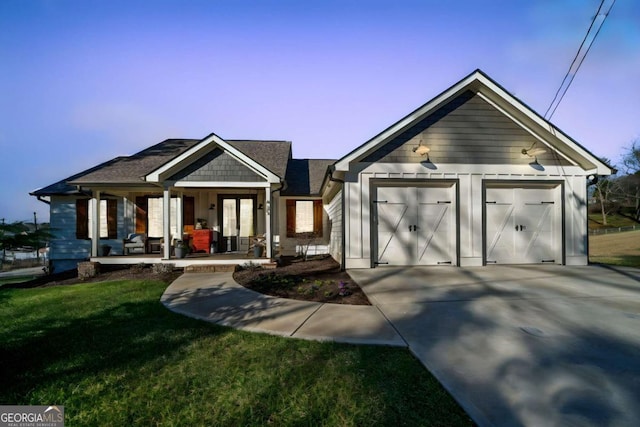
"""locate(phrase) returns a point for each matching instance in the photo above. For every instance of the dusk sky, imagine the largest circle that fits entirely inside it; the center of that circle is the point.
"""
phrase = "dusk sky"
(83, 81)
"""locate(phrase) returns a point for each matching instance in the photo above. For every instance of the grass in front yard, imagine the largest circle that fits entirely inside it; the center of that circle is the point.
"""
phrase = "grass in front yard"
(113, 355)
(18, 279)
(621, 249)
(613, 221)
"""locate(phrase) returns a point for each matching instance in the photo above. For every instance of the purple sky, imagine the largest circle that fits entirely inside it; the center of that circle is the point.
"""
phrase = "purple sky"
(83, 81)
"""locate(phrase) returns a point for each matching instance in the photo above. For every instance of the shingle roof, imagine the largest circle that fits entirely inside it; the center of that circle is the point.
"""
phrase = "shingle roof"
(132, 169)
(63, 187)
(304, 176)
(273, 155)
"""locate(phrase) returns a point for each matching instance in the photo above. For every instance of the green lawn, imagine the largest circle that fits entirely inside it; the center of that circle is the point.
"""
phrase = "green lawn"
(621, 249)
(113, 355)
(19, 279)
(613, 221)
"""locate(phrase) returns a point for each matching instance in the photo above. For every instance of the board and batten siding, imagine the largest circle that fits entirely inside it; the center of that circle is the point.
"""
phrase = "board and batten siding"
(466, 130)
(334, 213)
(359, 191)
(65, 250)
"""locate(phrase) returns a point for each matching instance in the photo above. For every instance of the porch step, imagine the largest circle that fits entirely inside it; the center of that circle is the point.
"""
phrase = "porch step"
(218, 268)
(210, 268)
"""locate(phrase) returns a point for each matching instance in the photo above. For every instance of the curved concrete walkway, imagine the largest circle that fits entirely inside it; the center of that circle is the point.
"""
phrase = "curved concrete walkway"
(514, 345)
(217, 298)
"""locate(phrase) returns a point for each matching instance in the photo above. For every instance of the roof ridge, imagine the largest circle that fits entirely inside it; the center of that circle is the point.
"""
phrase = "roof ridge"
(258, 140)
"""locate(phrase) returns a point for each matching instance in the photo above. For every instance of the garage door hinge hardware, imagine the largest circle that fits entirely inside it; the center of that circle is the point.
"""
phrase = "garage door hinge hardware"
(548, 260)
(379, 201)
(444, 262)
(494, 202)
(380, 263)
(443, 201)
(547, 203)
(492, 262)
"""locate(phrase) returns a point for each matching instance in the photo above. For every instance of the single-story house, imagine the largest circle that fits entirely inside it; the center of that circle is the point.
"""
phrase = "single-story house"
(473, 177)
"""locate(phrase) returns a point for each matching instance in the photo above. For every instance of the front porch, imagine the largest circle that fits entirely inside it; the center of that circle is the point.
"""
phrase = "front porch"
(197, 259)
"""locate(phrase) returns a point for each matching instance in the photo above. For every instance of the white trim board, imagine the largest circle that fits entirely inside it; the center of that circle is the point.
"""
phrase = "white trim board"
(481, 84)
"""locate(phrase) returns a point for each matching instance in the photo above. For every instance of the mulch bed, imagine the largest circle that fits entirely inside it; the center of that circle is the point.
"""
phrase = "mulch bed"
(318, 279)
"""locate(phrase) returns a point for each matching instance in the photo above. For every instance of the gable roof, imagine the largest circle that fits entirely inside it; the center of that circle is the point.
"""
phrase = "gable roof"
(478, 82)
(132, 170)
(305, 176)
(276, 158)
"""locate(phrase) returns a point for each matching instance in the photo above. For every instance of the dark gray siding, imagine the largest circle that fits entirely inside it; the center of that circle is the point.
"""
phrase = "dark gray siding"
(217, 166)
(466, 130)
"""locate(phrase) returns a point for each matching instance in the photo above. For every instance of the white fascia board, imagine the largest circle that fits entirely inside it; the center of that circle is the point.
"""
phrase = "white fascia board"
(343, 164)
(218, 184)
(524, 127)
(475, 81)
(157, 175)
(544, 124)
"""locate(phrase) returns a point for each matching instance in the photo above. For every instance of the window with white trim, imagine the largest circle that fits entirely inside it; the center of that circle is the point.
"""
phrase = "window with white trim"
(304, 218)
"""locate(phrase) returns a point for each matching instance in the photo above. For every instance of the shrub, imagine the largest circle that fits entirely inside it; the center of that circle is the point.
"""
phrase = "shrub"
(251, 266)
(162, 268)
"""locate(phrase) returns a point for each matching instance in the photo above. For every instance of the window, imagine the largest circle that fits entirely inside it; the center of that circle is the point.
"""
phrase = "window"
(155, 215)
(304, 218)
(149, 214)
(108, 219)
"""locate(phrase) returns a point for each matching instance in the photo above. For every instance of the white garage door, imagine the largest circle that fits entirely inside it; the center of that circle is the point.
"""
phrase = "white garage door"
(523, 225)
(416, 225)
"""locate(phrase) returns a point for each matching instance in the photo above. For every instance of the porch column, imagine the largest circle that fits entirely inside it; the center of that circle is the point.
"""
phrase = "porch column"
(179, 217)
(166, 222)
(95, 223)
(267, 220)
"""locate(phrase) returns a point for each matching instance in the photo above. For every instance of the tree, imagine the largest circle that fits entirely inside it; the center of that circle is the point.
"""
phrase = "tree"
(9, 236)
(630, 183)
(604, 191)
(631, 158)
(19, 235)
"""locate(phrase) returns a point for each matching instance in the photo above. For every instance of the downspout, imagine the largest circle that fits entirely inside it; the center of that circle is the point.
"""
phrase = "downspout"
(283, 185)
(343, 256)
(591, 180)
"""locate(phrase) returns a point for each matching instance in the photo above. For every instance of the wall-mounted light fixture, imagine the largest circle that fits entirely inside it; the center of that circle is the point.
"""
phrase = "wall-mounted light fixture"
(533, 152)
(212, 206)
(421, 150)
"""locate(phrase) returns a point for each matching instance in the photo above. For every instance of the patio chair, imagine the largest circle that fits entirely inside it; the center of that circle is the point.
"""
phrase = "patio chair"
(135, 242)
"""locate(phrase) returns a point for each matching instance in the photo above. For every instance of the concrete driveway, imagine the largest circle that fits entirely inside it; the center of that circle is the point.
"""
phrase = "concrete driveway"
(522, 345)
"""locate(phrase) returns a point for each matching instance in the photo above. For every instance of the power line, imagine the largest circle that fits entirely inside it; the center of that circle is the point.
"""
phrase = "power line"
(579, 58)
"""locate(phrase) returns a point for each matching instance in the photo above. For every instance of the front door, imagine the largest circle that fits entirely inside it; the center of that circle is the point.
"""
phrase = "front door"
(238, 219)
(523, 225)
(416, 225)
